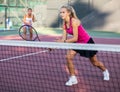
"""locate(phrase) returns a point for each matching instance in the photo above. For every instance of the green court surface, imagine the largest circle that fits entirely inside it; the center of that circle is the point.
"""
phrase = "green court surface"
(58, 32)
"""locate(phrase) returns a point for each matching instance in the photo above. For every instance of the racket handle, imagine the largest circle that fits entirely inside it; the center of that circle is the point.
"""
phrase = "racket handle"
(50, 49)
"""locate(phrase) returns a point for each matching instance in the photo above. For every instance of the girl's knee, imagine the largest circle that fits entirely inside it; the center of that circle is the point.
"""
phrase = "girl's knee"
(96, 64)
(69, 57)
(94, 61)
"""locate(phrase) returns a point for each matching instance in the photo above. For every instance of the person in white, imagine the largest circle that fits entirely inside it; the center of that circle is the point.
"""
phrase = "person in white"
(27, 20)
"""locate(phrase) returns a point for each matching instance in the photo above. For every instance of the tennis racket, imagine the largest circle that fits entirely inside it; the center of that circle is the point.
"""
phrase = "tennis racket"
(28, 33)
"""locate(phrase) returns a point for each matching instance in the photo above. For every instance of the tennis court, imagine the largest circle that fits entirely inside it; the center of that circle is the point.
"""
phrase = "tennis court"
(36, 69)
(40, 66)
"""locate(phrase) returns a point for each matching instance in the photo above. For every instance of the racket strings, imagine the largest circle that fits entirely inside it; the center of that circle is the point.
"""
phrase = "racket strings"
(28, 33)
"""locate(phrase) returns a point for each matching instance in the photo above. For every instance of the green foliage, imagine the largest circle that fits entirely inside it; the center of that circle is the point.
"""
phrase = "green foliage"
(1, 1)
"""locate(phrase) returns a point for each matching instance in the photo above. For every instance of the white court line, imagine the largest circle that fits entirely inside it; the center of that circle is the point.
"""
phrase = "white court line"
(20, 56)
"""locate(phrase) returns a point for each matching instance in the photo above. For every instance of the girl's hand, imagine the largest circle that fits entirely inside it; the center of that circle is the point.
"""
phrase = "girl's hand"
(27, 23)
(59, 40)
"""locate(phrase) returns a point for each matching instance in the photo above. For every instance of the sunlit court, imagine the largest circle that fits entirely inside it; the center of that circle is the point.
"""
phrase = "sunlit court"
(59, 46)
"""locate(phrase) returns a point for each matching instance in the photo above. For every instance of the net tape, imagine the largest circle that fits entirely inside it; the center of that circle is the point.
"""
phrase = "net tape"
(57, 45)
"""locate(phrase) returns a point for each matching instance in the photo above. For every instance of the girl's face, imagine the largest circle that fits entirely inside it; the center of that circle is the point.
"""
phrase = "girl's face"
(29, 12)
(64, 13)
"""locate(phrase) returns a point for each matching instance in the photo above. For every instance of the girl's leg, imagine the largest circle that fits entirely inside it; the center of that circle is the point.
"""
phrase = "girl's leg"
(24, 32)
(97, 63)
(31, 33)
(100, 65)
(69, 57)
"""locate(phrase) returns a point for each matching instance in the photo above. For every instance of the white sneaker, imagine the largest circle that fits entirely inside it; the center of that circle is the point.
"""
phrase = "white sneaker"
(72, 80)
(106, 75)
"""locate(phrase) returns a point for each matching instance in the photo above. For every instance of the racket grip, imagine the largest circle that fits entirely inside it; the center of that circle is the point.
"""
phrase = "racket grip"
(50, 49)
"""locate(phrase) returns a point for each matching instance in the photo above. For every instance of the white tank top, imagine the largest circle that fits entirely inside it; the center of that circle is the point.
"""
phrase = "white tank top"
(29, 19)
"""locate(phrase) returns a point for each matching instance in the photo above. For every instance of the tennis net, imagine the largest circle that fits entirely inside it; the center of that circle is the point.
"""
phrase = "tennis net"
(41, 67)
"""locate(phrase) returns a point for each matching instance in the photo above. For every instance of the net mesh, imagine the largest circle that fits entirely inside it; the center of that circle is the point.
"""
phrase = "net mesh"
(32, 67)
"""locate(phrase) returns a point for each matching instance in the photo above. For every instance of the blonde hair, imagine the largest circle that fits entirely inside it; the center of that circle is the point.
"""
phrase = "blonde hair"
(71, 10)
